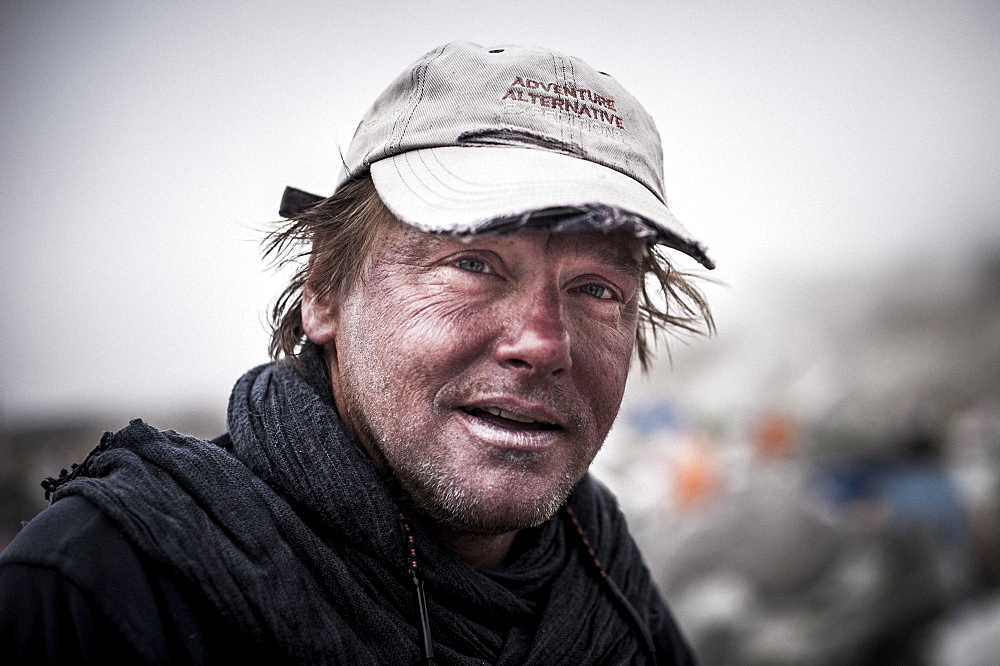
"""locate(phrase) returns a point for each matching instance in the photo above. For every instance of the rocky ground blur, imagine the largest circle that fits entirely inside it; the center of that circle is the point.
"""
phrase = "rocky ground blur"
(824, 488)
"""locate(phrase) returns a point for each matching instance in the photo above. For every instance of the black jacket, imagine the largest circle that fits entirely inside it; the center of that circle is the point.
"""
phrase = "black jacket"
(75, 591)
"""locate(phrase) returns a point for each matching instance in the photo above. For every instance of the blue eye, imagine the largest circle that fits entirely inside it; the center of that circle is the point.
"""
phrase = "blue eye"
(595, 290)
(471, 264)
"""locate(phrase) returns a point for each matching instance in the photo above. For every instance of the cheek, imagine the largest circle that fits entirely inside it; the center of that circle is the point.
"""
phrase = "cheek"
(415, 336)
(606, 343)
(602, 356)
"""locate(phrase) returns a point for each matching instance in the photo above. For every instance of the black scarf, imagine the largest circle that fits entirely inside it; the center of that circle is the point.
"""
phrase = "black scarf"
(293, 535)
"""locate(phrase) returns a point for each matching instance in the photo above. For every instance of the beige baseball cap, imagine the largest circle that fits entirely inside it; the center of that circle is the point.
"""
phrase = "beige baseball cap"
(471, 139)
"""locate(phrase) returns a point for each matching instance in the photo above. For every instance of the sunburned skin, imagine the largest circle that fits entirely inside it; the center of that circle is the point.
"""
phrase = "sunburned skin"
(483, 375)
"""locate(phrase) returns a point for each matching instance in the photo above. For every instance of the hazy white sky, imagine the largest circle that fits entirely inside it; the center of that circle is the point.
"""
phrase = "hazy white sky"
(145, 145)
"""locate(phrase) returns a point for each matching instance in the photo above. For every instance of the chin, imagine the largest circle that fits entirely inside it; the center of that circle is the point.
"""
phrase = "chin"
(490, 511)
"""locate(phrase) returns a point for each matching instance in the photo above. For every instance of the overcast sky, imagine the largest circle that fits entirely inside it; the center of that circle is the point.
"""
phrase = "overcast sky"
(146, 145)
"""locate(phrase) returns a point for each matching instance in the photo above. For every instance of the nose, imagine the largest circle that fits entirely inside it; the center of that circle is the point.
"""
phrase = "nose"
(535, 338)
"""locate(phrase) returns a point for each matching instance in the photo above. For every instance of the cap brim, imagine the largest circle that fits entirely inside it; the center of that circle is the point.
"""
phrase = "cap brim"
(465, 189)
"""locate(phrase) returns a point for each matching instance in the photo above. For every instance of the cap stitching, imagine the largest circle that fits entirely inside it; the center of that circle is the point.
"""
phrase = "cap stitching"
(576, 130)
(555, 75)
(416, 96)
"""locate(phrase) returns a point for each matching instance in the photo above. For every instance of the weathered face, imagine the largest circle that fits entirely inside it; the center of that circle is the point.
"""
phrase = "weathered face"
(484, 374)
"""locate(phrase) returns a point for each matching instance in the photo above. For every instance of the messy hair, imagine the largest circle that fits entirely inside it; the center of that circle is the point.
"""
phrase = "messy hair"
(329, 242)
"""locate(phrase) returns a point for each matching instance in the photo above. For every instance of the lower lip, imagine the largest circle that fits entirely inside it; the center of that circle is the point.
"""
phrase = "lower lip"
(500, 437)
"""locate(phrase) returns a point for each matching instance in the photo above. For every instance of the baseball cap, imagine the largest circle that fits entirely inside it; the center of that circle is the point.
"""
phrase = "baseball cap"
(471, 139)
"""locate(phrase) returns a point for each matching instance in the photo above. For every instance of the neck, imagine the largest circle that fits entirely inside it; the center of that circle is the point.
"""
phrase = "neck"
(480, 551)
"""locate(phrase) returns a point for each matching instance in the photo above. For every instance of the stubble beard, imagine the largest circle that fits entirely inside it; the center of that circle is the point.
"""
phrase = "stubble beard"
(453, 504)
(424, 481)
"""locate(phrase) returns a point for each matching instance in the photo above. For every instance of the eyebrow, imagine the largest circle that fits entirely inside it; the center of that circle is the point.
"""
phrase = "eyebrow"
(417, 244)
(622, 260)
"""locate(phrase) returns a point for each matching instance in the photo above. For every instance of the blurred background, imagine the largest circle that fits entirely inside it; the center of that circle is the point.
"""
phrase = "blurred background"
(817, 483)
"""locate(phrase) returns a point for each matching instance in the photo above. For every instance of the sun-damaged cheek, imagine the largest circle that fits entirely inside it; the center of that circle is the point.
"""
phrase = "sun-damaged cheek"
(429, 324)
(602, 356)
(447, 298)
(607, 327)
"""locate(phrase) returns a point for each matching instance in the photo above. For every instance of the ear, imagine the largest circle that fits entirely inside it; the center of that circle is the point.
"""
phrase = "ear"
(319, 318)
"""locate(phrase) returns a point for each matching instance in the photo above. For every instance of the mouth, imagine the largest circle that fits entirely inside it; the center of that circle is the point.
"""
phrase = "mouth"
(509, 420)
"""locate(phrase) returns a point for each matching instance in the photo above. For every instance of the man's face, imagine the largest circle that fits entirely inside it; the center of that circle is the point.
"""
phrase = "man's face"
(484, 374)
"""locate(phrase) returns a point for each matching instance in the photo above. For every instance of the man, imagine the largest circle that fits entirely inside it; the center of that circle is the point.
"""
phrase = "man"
(409, 483)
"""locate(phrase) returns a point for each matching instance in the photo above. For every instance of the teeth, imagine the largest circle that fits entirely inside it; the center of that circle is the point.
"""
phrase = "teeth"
(503, 413)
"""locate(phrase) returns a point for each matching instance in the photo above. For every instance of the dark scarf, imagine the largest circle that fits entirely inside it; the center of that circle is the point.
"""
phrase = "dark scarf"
(293, 535)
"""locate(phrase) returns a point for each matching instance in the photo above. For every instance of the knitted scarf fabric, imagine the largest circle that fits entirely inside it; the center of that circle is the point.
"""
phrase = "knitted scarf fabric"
(294, 536)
